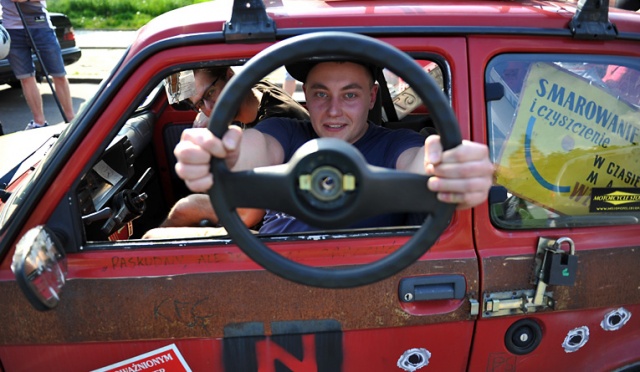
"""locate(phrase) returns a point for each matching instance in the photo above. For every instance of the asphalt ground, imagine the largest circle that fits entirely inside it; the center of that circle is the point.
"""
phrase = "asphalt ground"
(101, 50)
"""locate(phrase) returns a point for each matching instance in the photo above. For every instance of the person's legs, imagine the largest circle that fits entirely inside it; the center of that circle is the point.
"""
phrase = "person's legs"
(22, 66)
(34, 99)
(64, 95)
(51, 54)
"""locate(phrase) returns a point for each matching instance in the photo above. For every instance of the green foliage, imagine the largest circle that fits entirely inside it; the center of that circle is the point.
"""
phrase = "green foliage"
(114, 14)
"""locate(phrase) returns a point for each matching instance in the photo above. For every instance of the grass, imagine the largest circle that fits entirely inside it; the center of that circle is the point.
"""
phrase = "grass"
(114, 14)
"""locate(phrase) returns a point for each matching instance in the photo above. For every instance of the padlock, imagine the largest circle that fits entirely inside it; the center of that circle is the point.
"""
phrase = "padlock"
(561, 267)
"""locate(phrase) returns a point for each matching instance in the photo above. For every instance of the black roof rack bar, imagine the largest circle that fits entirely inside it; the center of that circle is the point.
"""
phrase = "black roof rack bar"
(591, 21)
(249, 22)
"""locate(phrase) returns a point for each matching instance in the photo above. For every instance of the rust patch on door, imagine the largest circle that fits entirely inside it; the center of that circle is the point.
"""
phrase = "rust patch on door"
(201, 305)
(605, 278)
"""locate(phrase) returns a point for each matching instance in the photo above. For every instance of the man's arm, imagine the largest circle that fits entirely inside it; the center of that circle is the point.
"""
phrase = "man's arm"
(193, 209)
(242, 151)
(462, 175)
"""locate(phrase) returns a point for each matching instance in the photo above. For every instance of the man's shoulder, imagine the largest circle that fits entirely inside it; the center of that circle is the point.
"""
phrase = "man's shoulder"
(265, 84)
(276, 102)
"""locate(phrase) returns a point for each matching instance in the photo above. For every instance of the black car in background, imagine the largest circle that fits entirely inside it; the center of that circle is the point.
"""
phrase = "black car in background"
(70, 52)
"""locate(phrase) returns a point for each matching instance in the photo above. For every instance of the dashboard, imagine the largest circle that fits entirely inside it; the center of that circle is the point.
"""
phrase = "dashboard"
(105, 187)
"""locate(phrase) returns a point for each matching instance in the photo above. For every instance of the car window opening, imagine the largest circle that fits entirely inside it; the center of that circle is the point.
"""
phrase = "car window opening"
(97, 189)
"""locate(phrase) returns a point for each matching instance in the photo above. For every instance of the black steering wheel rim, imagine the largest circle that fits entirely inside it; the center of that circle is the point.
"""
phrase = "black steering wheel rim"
(322, 44)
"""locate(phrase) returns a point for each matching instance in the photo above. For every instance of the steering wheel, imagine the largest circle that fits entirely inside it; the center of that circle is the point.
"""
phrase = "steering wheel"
(327, 183)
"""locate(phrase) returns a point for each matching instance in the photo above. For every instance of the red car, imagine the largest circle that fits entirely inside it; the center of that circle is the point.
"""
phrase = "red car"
(542, 276)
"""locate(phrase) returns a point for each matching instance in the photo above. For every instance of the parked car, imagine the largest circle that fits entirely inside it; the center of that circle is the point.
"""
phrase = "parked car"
(71, 53)
(542, 276)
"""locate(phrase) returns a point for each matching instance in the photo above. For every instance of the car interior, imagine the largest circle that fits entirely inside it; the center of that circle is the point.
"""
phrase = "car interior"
(140, 159)
(133, 185)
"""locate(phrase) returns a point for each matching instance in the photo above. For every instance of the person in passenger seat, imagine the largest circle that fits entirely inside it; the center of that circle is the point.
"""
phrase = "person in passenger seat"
(338, 95)
(263, 101)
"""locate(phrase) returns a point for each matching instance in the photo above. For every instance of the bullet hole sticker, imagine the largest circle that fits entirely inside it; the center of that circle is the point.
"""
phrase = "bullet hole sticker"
(165, 359)
(414, 359)
(615, 319)
(576, 338)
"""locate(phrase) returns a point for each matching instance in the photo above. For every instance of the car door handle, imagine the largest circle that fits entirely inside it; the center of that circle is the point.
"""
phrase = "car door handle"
(432, 287)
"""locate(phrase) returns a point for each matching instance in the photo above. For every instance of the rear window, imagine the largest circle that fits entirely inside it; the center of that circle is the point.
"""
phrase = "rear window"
(564, 133)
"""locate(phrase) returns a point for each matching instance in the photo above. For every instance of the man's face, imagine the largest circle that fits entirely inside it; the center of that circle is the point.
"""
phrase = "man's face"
(208, 90)
(339, 96)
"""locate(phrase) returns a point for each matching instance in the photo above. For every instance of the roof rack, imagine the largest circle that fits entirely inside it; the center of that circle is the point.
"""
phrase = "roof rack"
(591, 21)
(249, 22)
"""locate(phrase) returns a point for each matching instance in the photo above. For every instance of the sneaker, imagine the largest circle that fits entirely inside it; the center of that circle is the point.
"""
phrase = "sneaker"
(33, 125)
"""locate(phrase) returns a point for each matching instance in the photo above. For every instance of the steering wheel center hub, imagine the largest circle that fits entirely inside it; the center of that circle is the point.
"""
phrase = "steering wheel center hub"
(326, 184)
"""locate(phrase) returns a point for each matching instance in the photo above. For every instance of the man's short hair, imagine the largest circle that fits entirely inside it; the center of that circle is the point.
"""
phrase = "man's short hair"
(214, 72)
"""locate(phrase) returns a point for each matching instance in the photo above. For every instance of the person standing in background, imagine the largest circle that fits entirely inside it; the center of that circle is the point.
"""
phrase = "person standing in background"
(289, 84)
(39, 25)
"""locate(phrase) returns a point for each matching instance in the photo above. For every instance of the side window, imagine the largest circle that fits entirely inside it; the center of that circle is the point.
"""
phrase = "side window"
(564, 135)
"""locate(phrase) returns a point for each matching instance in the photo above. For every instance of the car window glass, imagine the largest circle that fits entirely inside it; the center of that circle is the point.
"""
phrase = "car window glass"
(564, 133)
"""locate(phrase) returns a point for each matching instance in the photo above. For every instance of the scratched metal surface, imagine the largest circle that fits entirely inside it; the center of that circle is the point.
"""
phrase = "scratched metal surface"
(201, 305)
(605, 278)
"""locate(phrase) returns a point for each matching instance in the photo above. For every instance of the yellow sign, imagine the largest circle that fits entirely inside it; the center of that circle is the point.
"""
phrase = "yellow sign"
(569, 135)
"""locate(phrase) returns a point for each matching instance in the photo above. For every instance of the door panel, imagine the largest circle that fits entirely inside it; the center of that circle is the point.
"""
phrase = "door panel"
(202, 305)
(206, 295)
(607, 276)
(216, 306)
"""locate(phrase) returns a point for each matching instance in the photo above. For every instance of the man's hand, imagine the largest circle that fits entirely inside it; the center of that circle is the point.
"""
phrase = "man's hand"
(194, 152)
(462, 175)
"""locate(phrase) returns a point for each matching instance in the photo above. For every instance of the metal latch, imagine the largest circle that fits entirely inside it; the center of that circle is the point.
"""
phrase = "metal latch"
(552, 266)
(516, 302)
(249, 23)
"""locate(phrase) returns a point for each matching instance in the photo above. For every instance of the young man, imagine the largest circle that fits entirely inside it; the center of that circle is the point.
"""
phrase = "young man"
(39, 24)
(263, 101)
(339, 96)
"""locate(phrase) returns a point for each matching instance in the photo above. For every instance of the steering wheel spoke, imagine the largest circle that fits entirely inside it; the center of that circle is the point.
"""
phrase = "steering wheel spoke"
(403, 192)
(240, 191)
